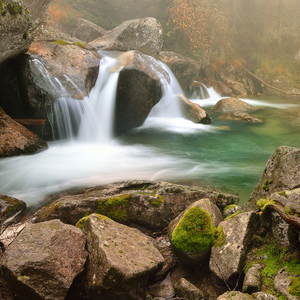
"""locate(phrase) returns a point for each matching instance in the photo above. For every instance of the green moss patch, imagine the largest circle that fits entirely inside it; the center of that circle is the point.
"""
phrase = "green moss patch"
(83, 220)
(14, 9)
(80, 45)
(61, 42)
(232, 216)
(229, 206)
(283, 193)
(294, 288)
(194, 233)
(264, 203)
(115, 207)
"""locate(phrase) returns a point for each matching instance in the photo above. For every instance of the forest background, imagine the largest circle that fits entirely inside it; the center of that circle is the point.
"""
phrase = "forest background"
(259, 34)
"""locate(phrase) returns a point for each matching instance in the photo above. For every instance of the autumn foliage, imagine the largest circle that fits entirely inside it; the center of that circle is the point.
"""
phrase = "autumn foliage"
(199, 20)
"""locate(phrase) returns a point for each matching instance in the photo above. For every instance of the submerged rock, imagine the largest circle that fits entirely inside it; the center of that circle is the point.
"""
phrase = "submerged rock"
(144, 35)
(43, 260)
(192, 111)
(88, 31)
(16, 139)
(151, 204)
(184, 69)
(282, 172)
(121, 259)
(240, 116)
(227, 261)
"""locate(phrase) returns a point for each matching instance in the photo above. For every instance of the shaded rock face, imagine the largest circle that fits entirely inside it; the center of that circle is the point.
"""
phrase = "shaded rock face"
(147, 203)
(121, 258)
(15, 29)
(232, 104)
(16, 139)
(38, 10)
(43, 260)
(139, 89)
(282, 172)
(192, 111)
(88, 31)
(227, 261)
(184, 69)
(144, 35)
(9, 206)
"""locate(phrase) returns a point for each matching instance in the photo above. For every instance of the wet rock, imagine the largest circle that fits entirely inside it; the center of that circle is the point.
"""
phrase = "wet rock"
(187, 290)
(240, 116)
(222, 89)
(227, 261)
(151, 204)
(38, 10)
(232, 104)
(253, 280)
(281, 283)
(121, 259)
(192, 111)
(16, 139)
(68, 59)
(144, 35)
(15, 29)
(88, 31)
(43, 260)
(10, 206)
(235, 295)
(184, 69)
(281, 173)
(196, 90)
(192, 247)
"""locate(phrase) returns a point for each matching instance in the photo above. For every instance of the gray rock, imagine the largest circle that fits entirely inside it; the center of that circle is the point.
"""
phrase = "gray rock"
(227, 261)
(187, 290)
(282, 173)
(15, 29)
(184, 69)
(38, 10)
(192, 111)
(43, 260)
(281, 283)
(88, 31)
(120, 258)
(162, 289)
(264, 296)
(232, 104)
(16, 139)
(234, 296)
(144, 35)
(253, 280)
(148, 203)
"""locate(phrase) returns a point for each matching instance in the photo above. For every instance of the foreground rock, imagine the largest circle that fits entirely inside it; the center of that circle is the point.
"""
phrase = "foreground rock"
(192, 233)
(235, 295)
(144, 35)
(43, 260)
(121, 258)
(232, 104)
(227, 261)
(184, 69)
(15, 29)
(282, 172)
(150, 204)
(88, 31)
(16, 139)
(192, 111)
(10, 206)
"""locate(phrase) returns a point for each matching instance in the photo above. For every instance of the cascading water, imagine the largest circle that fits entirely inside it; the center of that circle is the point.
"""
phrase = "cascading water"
(166, 147)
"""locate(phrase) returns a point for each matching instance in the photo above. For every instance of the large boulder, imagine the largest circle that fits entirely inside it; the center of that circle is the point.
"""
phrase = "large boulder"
(38, 10)
(192, 232)
(193, 111)
(232, 104)
(144, 35)
(15, 29)
(282, 172)
(16, 139)
(227, 261)
(185, 69)
(43, 260)
(147, 203)
(121, 258)
(88, 31)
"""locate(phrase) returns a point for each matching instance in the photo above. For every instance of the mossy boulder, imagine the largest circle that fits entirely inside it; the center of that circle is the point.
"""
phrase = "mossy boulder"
(192, 233)
(121, 258)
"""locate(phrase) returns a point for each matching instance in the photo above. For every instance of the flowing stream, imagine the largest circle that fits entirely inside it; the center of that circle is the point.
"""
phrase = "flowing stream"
(225, 155)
